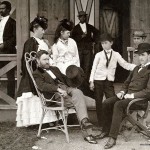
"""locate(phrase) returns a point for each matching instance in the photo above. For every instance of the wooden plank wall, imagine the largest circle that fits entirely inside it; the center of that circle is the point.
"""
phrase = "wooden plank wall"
(23, 19)
(140, 17)
(54, 10)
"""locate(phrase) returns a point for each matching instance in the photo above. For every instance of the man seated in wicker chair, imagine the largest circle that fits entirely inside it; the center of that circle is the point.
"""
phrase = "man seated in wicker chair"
(49, 80)
(137, 85)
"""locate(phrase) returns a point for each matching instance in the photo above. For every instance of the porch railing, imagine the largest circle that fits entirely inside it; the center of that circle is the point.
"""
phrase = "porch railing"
(12, 62)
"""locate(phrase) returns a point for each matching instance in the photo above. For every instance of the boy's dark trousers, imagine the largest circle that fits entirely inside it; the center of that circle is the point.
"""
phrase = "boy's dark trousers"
(102, 87)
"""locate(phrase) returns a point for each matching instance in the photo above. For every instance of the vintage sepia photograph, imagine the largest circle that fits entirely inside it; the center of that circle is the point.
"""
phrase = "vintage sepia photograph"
(74, 74)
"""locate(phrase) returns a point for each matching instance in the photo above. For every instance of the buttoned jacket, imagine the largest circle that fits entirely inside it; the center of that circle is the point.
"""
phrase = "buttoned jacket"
(138, 83)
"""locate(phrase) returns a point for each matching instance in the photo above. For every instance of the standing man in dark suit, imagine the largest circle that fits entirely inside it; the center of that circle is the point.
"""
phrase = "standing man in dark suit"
(137, 85)
(85, 36)
(8, 42)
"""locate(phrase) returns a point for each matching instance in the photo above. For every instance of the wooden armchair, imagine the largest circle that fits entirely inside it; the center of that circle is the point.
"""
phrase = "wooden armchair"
(60, 110)
(138, 122)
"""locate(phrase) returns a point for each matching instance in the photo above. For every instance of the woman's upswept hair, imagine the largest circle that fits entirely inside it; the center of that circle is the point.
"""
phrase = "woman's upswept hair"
(64, 25)
(39, 21)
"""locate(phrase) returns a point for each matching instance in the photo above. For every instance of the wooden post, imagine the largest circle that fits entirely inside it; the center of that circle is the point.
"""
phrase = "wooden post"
(72, 10)
(23, 20)
(96, 14)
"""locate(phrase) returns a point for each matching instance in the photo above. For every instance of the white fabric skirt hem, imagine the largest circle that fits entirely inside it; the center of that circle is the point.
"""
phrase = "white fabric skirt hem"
(29, 111)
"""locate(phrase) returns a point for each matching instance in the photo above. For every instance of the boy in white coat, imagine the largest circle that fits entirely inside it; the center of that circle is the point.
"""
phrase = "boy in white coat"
(103, 72)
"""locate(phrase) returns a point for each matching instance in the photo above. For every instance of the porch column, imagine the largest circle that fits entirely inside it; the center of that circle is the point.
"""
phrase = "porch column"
(96, 14)
(72, 10)
(23, 20)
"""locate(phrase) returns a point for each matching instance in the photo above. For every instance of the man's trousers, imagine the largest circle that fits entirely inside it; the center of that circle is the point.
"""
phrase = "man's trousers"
(113, 112)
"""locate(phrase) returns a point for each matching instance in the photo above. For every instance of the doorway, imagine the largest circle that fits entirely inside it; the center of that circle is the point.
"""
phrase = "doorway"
(115, 19)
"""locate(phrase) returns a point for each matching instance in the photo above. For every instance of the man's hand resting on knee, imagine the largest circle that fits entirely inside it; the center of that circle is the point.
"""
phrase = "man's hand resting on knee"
(120, 95)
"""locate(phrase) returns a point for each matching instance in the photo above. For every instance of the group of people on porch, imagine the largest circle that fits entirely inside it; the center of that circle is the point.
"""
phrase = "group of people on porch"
(68, 67)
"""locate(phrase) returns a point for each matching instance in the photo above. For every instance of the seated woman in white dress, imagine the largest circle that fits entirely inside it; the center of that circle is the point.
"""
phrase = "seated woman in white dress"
(65, 51)
(29, 106)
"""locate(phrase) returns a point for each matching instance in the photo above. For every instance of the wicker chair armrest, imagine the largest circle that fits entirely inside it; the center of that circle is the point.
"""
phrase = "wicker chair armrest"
(132, 102)
(52, 99)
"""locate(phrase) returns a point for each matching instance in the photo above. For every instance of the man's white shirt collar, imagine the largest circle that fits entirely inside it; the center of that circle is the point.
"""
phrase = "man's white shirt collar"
(142, 66)
(83, 27)
(51, 73)
(5, 18)
(2, 26)
(147, 64)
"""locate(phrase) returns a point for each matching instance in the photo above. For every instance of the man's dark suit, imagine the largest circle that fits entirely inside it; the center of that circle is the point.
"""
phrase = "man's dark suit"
(113, 108)
(85, 45)
(9, 37)
(48, 86)
(9, 41)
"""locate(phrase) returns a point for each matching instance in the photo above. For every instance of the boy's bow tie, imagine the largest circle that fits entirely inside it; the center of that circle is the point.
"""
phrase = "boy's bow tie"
(108, 51)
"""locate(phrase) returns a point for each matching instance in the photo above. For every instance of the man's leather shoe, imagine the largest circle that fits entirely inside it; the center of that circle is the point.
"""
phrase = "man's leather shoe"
(101, 136)
(90, 139)
(86, 124)
(111, 142)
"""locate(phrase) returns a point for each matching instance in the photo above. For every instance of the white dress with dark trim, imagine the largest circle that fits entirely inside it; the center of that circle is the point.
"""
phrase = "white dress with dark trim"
(29, 106)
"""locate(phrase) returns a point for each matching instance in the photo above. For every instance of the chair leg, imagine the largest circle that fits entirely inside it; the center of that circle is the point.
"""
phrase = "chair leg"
(138, 125)
(41, 121)
(65, 126)
(66, 115)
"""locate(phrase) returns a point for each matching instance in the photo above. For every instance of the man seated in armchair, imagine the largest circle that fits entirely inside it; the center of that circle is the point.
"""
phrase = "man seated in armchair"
(137, 85)
(49, 79)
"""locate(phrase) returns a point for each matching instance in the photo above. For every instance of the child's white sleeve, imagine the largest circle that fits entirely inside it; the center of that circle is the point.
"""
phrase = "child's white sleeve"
(125, 64)
(95, 63)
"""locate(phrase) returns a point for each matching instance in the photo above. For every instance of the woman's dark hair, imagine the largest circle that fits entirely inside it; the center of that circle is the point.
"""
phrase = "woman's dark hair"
(40, 53)
(64, 25)
(39, 22)
(7, 4)
(57, 32)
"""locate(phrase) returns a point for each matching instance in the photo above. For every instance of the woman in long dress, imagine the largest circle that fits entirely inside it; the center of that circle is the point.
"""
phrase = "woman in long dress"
(29, 106)
(64, 49)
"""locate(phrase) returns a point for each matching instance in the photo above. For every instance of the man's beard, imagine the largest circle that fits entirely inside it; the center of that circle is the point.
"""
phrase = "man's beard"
(46, 66)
